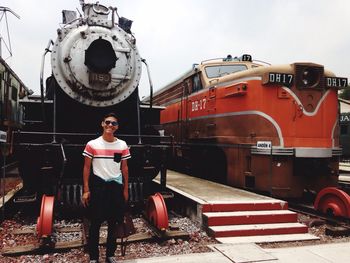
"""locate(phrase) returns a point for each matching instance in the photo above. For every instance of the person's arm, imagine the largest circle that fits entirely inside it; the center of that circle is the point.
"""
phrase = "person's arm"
(86, 176)
(125, 174)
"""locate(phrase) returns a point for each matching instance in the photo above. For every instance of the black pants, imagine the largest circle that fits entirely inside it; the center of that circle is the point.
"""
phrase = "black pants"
(106, 204)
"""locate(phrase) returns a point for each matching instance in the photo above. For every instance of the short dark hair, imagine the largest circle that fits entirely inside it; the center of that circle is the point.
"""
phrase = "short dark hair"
(111, 114)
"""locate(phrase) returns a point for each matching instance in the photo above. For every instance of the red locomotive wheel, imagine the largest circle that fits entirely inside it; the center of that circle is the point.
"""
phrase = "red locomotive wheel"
(45, 220)
(157, 212)
(332, 199)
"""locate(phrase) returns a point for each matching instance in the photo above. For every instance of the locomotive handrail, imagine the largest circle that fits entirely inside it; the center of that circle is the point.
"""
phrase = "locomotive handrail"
(262, 62)
(165, 139)
(47, 49)
(93, 134)
(113, 15)
(211, 59)
(150, 83)
(64, 163)
(56, 133)
(63, 154)
(81, 145)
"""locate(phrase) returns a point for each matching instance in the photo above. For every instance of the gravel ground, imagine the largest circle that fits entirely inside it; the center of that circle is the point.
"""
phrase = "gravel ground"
(197, 241)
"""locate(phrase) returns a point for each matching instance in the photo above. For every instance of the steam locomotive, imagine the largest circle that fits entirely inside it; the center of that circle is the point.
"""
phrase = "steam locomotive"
(267, 128)
(96, 69)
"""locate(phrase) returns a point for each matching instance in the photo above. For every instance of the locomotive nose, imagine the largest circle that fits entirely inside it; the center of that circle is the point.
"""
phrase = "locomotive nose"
(100, 56)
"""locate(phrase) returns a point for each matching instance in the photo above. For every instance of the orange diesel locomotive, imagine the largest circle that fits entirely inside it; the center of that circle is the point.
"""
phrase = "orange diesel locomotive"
(258, 126)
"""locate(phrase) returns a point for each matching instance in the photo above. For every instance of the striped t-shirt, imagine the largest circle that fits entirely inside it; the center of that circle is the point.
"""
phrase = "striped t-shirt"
(102, 154)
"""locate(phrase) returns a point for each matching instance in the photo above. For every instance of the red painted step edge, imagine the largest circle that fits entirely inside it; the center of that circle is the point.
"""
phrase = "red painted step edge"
(259, 232)
(252, 219)
(222, 207)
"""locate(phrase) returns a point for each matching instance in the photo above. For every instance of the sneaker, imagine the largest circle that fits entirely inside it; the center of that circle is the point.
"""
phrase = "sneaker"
(111, 260)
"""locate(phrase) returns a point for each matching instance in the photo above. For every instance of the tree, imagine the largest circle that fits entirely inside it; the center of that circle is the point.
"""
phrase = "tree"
(345, 93)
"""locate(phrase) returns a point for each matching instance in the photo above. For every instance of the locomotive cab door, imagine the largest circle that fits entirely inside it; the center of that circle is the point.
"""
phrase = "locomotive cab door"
(186, 105)
(195, 104)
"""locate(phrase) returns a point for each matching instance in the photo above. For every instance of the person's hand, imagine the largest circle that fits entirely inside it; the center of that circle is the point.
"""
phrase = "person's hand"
(85, 199)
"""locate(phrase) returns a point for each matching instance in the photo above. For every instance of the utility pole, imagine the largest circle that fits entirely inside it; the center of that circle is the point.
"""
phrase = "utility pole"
(3, 14)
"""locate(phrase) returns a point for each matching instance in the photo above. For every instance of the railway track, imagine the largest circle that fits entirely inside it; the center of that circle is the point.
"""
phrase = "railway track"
(10, 184)
(335, 226)
(74, 235)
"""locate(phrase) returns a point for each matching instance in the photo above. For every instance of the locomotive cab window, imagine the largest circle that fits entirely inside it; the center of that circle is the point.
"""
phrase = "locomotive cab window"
(187, 86)
(197, 84)
(222, 70)
(14, 94)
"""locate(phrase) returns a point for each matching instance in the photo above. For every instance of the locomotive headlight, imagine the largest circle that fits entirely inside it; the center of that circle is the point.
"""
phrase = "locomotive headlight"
(305, 77)
(309, 76)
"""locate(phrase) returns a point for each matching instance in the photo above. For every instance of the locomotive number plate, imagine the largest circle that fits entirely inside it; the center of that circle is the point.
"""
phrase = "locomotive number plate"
(280, 78)
(264, 145)
(99, 78)
(334, 82)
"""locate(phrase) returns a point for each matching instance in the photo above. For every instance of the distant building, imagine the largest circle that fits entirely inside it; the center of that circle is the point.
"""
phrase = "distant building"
(345, 127)
(344, 106)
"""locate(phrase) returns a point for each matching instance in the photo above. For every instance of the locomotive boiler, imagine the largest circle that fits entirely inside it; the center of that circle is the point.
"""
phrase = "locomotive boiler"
(96, 69)
(267, 128)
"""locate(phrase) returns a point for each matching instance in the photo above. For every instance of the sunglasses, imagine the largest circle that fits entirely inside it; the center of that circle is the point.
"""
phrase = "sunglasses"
(113, 123)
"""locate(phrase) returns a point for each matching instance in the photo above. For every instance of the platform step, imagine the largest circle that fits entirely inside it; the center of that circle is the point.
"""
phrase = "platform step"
(249, 217)
(267, 238)
(257, 229)
(245, 206)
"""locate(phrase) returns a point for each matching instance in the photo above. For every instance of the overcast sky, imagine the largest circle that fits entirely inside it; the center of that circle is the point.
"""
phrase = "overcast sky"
(173, 34)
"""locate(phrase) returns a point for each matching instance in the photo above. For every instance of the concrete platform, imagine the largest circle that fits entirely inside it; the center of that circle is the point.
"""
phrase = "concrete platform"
(337, 253)
(327, 253)
(199, 195)
(209, 192)
(225, 211)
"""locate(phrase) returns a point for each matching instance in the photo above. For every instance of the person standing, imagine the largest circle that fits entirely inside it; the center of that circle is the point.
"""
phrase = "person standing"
(105, 185)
